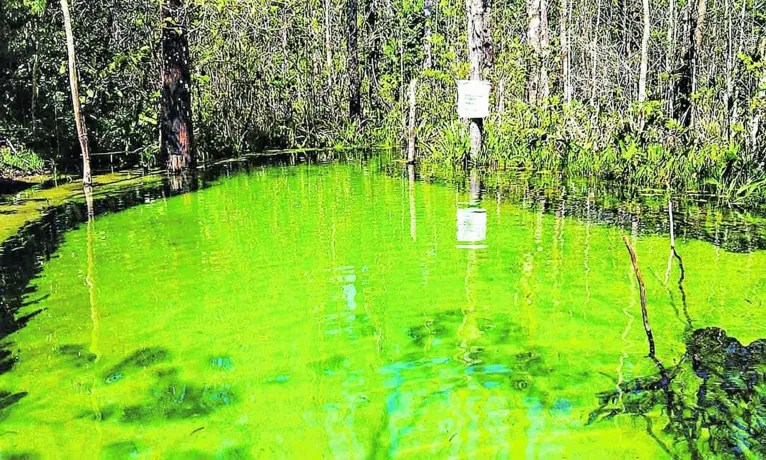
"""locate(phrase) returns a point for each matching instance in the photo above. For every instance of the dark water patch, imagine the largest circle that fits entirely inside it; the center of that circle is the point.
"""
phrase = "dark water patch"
(7, 400)
(713, 401)
(21, 456)
(124, 449)
(329, 366)
(171, 398)
(228, 453)
(140, 359)
(76, 356)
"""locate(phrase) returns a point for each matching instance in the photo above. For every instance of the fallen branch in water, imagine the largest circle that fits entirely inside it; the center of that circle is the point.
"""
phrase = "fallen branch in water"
(642, 290)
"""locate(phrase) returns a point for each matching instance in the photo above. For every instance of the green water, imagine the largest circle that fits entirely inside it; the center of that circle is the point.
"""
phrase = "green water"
(331, 311)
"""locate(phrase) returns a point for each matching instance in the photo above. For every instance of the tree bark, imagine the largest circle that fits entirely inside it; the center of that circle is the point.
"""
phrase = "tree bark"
(328, 41)
(479, 55)
(355, 84)
(79, 119)
(428, 6)
(411, 137)
(537, 38)
(687, 81)
(644, 54)
(176, 128)
(594, 85)
(565, 51)
(669, 61)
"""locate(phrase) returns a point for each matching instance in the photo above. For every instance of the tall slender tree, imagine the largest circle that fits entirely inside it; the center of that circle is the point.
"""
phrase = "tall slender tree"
(354, 79)
(79, 119)
(644, 54)
(176, 127)
(566, 61)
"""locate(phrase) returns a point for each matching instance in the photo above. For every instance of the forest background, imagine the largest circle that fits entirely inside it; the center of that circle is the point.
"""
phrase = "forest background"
(653, 92)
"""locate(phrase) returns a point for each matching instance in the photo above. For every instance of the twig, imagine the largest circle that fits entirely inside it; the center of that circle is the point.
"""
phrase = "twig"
(642, 290)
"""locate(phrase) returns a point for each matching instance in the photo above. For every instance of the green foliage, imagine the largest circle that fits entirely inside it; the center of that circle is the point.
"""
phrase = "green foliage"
(22, 161)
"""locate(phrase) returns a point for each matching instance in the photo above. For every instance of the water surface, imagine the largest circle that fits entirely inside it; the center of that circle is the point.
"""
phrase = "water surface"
(332, 310)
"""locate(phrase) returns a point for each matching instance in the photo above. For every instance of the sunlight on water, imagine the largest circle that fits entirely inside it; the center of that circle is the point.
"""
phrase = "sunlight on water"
(335, 311)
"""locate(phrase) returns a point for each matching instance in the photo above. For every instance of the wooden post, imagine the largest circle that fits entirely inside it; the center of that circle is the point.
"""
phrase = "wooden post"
(79, 119)
(411, 143)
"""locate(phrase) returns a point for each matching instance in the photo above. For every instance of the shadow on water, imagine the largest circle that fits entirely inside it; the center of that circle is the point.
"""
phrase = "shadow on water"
(23, 256)
(713, 402)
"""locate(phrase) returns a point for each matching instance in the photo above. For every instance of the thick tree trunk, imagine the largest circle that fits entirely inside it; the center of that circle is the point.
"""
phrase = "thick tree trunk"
(537, 38)
(759, 107)
(479, 55)
(644, 54)
(79, 119)
(687, 81)
(176, 129)
(355, 84)
(328, 41)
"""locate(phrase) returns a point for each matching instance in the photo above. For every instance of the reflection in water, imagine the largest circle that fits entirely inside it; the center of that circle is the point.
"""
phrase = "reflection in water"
(472, 220)
(411, 193)
(712, 402)
(289, 311)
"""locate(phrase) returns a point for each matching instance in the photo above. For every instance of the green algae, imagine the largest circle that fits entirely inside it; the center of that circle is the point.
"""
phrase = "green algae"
(328, 311)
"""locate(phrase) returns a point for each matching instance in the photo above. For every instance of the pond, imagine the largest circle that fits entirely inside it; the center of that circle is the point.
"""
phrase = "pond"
(339, 310)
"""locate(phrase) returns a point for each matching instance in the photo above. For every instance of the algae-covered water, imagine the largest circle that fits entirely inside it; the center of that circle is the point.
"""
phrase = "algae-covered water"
(335, 311)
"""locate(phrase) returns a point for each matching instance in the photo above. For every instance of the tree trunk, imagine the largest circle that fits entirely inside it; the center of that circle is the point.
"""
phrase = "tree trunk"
(687, 81)
(328, 41)
(565, 58)
(176, 129)
(411, 137)
(594, 85)
(537, 38)
(669, 61)
(428, 6)
(759, 106)
(479, 53)
(644, 54)
(355, 84)
(79, 119)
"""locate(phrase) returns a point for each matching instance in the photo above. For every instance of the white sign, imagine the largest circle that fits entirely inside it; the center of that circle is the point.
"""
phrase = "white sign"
(471, 226)
(473, 98)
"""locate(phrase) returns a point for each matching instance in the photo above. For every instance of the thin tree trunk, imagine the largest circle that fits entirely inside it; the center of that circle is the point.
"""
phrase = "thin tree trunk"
(670, 53)
(176, 128)
(593, 88)
(79, 119)
(565, 58)
(352, 26)
(728, 96)
(428, 6)
(411, 137)
(644, 54)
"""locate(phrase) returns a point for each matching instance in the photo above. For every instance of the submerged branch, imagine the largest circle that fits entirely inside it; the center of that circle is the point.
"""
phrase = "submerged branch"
(642, 289)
